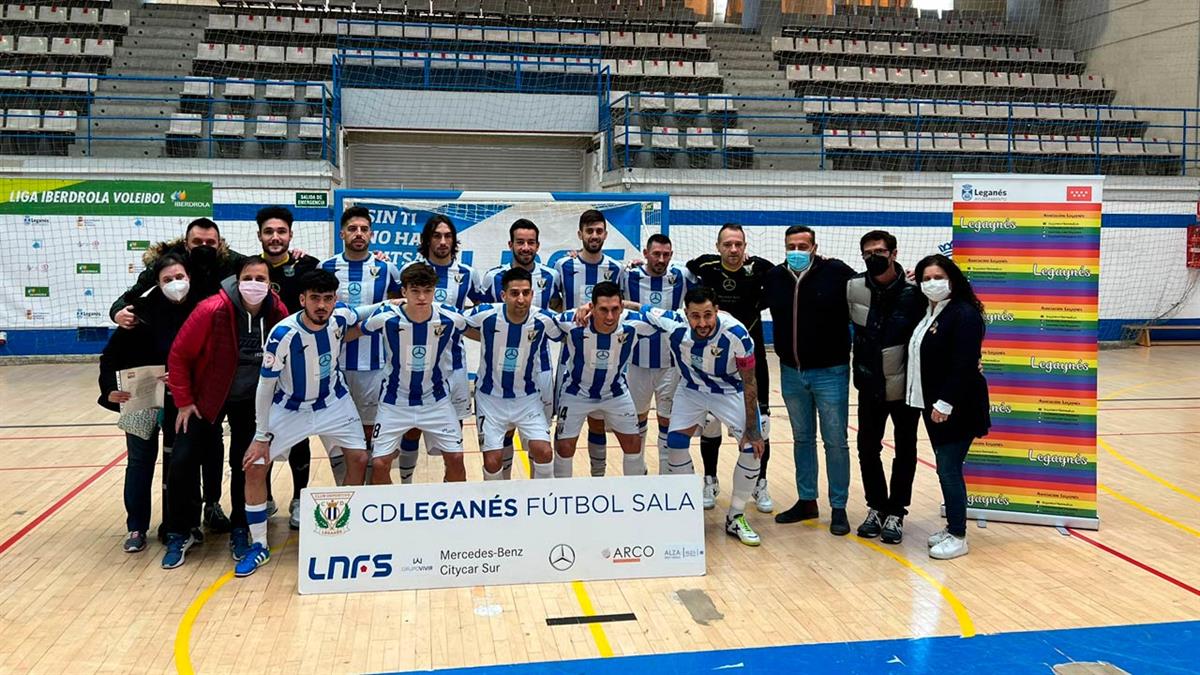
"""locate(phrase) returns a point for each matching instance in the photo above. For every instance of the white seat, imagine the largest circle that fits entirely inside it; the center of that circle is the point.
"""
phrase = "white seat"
(22, 119)
(1020, 80)
(1108, 145)
(251, 22)
(946, 141)
(1081, 145)
(197, 88)
(783, 44)
(695, 41)
(924, 77)
(738, 139)
(521, 36)
(1068, 82)
(549, 64)
(311, 128)
(1024, 111)
(236, 88)
(222, 22)
(20, 13)
(361, 29)
(948, 109)
(314, 93)
(52, 14)
(41, 80)
(298, 55)
(87, 16)
(645, 39)
(1155, 146)
(420, 32)
(653, 102)
(999, 143)
(1088, 81)
(466, 34)
(1064, 55)
(323, 56)
(707, 70)
(446, 33)
(926, 50)
(925, 108)
(269, 54)
(864, 139)
(79, 82)
(698, 138)
(449, 61)
(972, 142)
(682, 69)
(231, 126)
(1054, 145)
(664, 138)
(832, 46)
(899, 76)
(837, 139)
(498, 62)
(949, 78)
(185, 124)
(974, 109)
(1073, 112)
(270, 126)
(815, 105)
(239, 53)
(849, 74)
(892, 141)
(29, 44)
(655, 68)
(579, 64)
(808, 45)
(798, 73)
(995, 79)
(629, 68)
(60, 121)
(7, 44)
(995, 53)
(619, 38)
(842, 106)
(897, 108)
(1044, 81)
(569, 38)
(66, 46)
(688, 103)
(278, 24)
(1027, 144)
(879, 48)
(1018, 54)
(1049, 111)
(306, 25)
(953, 51)
(98, 47)
(854, 46)
(1041, 54)
(279, 91)
(115, 17)
(873, 74)
(628, 137)
(921, 141)
(903, 50)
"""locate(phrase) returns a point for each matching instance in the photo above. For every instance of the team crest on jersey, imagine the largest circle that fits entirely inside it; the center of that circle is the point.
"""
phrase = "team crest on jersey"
(541, 282)
(458, 277)
(438, 330)
(332, 513)
(608, 275)
(289, 271)
(338, 333)
(673, 277)
(531, 334)
(374, 271)
(622, 338)
(268, 360)
(715, 351)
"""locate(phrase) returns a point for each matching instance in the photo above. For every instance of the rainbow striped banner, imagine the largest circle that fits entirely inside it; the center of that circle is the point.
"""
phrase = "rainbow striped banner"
(1031, 247)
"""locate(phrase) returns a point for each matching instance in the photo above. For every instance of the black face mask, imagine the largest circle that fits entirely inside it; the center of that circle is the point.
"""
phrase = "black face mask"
(878, 264)
(203, 258)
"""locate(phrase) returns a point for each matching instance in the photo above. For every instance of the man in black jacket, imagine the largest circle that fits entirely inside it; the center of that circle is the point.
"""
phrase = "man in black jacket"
(807, 299)
(884, 308)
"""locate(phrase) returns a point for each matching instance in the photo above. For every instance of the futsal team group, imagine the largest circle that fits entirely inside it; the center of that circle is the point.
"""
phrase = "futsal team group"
(370, 357)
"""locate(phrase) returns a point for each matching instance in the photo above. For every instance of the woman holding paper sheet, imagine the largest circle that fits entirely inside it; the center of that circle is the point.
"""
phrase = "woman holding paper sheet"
(160, 313)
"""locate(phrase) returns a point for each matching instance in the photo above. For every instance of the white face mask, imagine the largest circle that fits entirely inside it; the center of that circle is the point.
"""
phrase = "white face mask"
(936, 289)
(253, 292)
(176, 289)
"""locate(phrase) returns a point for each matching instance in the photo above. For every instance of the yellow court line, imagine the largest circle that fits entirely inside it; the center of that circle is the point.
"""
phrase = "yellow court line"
(1149, 511)
(966, 626)
(1135, 387)
(183, 634)
(1145, 472)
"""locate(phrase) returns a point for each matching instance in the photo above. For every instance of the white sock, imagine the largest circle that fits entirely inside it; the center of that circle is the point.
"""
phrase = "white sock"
(634, 464)
(256, 518)
(562, 466)
(506, 459)
(679, 461)
(597, 453)
(407, 463)
(745, 477)
(543, 470)
(488, 475)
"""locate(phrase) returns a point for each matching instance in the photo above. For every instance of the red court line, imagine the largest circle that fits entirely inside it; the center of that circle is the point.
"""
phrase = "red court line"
(889, 445)
(8, 543)
(1132, 561)
(52, 438)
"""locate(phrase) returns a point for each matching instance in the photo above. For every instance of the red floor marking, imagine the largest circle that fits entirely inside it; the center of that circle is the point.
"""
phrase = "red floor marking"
(889, 445)
(1132, 561)
(52, 438)
(8, 543)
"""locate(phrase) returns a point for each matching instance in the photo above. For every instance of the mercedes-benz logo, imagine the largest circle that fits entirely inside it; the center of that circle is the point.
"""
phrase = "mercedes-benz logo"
(418, 352)
(562, 557)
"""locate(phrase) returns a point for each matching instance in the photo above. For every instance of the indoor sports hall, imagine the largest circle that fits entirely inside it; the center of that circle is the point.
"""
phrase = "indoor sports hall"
(187, 187)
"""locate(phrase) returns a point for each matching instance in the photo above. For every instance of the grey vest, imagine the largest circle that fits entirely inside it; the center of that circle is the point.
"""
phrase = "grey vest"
(895, 357)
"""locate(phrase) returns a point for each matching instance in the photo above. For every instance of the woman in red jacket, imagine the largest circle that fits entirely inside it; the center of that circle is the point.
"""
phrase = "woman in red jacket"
(214, 364)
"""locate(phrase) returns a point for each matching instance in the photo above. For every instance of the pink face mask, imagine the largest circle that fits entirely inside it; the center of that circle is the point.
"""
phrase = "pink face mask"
(253, 292)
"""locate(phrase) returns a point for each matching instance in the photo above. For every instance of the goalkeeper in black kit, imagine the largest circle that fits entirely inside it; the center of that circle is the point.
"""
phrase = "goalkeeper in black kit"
(737, 280)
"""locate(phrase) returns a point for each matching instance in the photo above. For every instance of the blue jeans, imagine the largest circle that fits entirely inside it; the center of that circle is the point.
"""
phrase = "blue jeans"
(950, 458)
(819, 394)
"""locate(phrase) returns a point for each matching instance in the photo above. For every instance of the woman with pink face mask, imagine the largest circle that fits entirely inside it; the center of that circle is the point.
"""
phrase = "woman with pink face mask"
(214, 365)
(159, 313)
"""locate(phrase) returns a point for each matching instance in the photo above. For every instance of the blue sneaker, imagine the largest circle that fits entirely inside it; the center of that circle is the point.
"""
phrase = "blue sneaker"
(257, 556)
(239, 542)
(177, 548)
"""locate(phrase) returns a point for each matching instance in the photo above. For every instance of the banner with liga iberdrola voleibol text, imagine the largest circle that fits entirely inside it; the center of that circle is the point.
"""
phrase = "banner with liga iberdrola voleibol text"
(73, 246)
(1031, 247)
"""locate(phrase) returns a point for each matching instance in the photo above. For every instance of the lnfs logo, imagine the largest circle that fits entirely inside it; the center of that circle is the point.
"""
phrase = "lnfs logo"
(340, 567)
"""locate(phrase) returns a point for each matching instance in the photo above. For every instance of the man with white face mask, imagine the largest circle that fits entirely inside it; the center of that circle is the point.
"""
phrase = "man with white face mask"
(807, 299)
(214, 365)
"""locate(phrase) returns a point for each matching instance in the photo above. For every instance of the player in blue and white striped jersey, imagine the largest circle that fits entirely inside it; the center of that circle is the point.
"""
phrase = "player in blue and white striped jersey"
(524, 242)
(418, 337)
(455, 285)
(577, 276)
(715, 357)
(652, 374)
(362, 280)
(593, 385)
(512, 336)
(301, 393)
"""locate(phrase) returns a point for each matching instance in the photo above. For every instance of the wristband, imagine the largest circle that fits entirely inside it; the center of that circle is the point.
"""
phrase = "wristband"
(264, 436)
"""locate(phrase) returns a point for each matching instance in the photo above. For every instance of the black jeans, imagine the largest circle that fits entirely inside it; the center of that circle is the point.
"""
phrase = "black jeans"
(198, 447)
(950, 459)
(139, 472)
(873, 415)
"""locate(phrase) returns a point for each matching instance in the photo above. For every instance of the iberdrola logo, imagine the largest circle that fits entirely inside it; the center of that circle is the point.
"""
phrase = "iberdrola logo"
(180, 196)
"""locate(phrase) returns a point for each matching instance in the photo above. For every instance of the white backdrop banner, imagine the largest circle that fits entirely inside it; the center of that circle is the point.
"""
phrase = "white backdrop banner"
(398, 537)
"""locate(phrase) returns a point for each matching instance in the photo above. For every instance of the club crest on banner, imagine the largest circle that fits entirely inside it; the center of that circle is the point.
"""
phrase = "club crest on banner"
(331, 516)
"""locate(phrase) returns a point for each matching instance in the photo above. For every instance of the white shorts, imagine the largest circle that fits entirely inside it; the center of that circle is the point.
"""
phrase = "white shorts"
(338, 426)
(658, 383)
(437, 420)
(495, 416)
(692, 407)
(460, 393)
(618, 414)
(364, 388)
(546, 392)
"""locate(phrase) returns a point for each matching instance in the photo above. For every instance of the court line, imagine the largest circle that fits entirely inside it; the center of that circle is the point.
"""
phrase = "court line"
(1135, 387)
(595, 618)
(51, 426)
(1155, 433)
(1133, 561)
(58, 466)
(55, 438)
(1148, 511)
(1144, 471)
(8, 543)
(183, 634)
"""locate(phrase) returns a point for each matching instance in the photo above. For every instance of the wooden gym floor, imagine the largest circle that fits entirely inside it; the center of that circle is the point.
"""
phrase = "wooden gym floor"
(73, 602)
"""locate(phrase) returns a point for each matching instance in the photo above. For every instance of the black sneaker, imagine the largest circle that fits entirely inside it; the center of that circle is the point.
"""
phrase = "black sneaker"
(215, 519)
(804, 509)
(838, 523)
(893, 530)
(135, 543)
(197, 536)
(870, 527)
(162, 534)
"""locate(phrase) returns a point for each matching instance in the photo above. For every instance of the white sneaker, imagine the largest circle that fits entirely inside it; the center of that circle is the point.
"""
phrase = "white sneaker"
(294, 519)
(762, 498)
(711, 489)
(937, 537)
(738, 527)
(950, 547)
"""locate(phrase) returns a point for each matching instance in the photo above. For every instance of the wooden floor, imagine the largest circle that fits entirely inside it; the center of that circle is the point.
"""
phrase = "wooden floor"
(73, 602)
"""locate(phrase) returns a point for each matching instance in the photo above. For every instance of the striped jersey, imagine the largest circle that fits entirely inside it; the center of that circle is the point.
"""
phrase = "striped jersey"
(305, 361)
(706, 365)
(456, 282)
(509, 352)
(363, 282)
(415, 353)
(576, 279)
(665, 292)
(545, 288)
(594, 363)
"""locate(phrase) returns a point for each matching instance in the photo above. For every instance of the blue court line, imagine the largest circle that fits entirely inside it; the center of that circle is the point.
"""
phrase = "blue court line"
(1156, 649)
